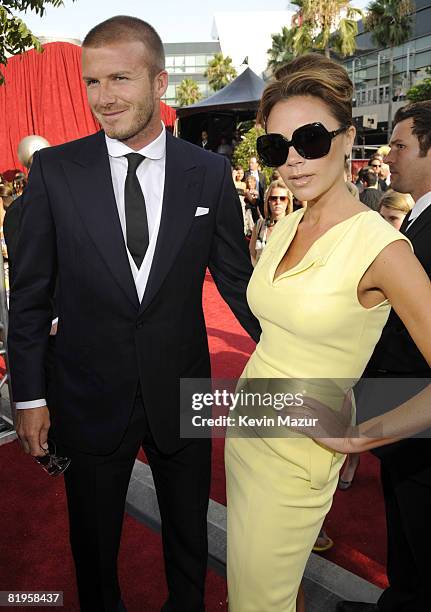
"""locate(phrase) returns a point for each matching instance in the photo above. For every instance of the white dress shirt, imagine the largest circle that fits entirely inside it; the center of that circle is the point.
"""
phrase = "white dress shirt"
(151, 176)
(421, 205)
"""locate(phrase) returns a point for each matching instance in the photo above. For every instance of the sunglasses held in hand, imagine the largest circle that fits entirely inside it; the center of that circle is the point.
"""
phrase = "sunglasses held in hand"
(311, 141)
(53, 464)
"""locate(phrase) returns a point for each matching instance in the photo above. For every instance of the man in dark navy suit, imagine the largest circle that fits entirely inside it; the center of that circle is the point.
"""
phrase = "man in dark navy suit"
(125, 222)
(406, 465)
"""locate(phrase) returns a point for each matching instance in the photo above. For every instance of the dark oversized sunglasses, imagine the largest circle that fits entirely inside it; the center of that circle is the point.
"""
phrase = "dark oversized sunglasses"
(311, 141)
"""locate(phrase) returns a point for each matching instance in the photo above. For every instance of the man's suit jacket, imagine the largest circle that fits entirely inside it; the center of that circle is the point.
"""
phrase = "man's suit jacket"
(371, 198)
(396, 355)
(11, 223)
(107, 342)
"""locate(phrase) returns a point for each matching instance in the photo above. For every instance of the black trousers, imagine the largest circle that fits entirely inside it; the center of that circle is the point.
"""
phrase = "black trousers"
(408, 519)
(96, 488)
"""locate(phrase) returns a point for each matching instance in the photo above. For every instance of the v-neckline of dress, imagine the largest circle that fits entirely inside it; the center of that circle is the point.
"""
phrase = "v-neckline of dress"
(303, 264)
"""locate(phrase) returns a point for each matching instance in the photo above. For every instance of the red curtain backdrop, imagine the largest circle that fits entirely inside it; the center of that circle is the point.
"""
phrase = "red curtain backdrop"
(44, 94)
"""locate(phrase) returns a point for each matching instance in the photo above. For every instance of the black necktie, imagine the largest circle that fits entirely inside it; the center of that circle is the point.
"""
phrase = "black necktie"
(136, 212)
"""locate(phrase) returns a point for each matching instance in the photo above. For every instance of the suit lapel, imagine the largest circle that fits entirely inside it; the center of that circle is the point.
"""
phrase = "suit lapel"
(89, 179)
(419, 224)
(181, 196)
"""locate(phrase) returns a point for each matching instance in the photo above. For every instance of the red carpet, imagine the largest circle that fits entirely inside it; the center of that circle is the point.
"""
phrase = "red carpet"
(34, 552)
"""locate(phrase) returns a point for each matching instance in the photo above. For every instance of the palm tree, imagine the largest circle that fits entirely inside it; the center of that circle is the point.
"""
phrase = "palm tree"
(321, 22)
(390, 24)
(282, 50)
(220, 72)
(188, 92)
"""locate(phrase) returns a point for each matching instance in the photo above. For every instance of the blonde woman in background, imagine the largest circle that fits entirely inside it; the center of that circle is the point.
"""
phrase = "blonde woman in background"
(278, 203)
(394, 206)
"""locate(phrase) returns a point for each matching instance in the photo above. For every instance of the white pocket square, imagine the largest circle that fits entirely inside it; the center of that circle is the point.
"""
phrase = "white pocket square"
(200, 210)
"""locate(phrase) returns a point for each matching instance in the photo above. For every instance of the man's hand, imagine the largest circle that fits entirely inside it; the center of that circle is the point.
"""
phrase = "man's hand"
(32, 426)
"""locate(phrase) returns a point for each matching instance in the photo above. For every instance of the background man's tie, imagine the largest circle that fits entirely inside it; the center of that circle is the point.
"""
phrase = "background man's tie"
(136, 211)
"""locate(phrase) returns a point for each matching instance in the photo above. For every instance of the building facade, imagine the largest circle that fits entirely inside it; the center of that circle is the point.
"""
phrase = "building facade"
(188, 61)
(369, 71)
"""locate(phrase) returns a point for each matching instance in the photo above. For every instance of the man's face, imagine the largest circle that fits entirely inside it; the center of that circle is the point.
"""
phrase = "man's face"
(376, 166)
(204, 136)
(410, 173)
(252, 164)
(121, 93)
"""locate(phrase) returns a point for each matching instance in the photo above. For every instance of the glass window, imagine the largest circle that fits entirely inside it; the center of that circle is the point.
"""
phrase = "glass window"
(201, 61)
(170, 92)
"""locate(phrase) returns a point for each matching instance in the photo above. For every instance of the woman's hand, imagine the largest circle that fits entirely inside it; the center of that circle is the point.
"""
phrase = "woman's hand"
(330, 428)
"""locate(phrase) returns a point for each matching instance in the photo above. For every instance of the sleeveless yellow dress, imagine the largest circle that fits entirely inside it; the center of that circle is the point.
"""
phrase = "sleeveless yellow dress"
(313, 327)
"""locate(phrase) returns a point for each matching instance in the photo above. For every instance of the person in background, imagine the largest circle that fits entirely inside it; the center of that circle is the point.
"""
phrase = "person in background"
(376, 162)
(204, 141)
(394, 207)
(251, 197)
(19, 183)
(240, 186)
(278, 203)
(224, 148)
(254, 170)
(371, 194)
(238, 179)
(348, 178)
(236, 139)
(6, 199)
(399, 357)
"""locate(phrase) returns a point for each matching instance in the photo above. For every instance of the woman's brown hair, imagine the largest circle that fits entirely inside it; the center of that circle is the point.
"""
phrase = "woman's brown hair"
(311, 75)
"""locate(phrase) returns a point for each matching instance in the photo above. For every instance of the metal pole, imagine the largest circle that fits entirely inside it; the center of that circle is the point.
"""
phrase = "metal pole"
(378, 69)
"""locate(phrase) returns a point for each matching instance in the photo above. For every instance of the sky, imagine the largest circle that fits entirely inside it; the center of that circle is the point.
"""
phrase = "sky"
(191, 22)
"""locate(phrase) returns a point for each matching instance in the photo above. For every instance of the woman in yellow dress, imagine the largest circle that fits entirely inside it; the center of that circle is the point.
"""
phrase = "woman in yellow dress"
(322, 291)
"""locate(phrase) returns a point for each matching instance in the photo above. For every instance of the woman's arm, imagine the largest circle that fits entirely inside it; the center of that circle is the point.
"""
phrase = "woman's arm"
(401, 278)
(252, 245)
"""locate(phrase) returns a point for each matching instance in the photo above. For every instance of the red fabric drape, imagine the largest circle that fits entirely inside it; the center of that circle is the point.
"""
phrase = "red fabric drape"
(44, 94)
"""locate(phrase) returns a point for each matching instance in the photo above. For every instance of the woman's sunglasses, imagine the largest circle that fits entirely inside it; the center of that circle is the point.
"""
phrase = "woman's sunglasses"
(277, 198)
(311, 141)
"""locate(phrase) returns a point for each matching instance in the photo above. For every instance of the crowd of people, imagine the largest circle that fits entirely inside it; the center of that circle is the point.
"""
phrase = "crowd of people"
(321, 302)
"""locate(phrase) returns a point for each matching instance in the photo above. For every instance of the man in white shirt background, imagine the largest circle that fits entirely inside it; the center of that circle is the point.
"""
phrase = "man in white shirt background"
(127, 220)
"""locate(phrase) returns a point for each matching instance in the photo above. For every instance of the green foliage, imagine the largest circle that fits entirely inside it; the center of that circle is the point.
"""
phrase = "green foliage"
(390, 24)
(390, 21)
(220, 72)
(247, 149)
(188, 92)
(282, 50)
(422, 90)
(314, 29)
(15, 37)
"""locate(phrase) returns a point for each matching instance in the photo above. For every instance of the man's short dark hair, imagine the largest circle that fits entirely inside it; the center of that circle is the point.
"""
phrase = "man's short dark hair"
(420, 112)
(123, 28)
(367, 175)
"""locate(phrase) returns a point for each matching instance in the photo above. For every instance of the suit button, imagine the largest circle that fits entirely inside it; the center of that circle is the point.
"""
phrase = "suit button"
(139, 324)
